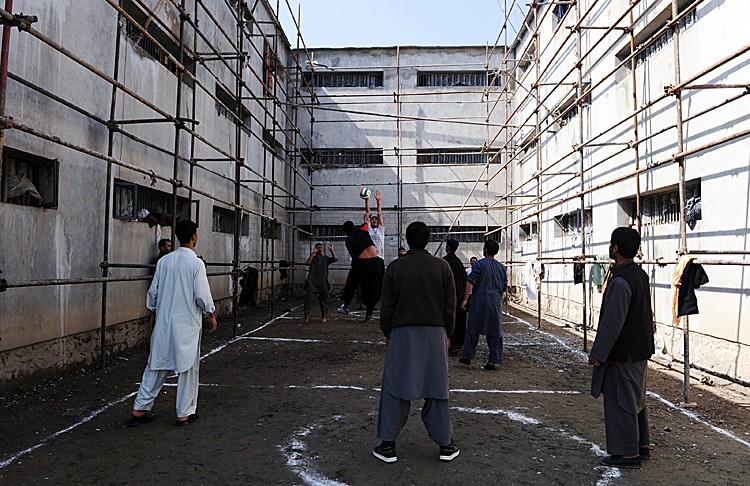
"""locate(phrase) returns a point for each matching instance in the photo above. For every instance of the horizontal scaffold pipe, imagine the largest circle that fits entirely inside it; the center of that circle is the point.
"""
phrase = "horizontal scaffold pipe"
(9, 123)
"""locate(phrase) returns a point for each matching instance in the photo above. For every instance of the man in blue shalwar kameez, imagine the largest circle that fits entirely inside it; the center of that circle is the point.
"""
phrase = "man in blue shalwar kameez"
(486, 285)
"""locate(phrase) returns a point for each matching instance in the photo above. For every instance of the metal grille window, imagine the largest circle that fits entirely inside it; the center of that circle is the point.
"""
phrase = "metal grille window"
(453, 156)
(457, 78)
(528, 231)
(223, 221)
(29, 180)
(150, 47)
(343, 80)
(270, 229)
(227, 105)
(464, 234)
(324, 232)
(664, 207)
(664, 40)
(343, 157)
(133, 202)
(570, 223)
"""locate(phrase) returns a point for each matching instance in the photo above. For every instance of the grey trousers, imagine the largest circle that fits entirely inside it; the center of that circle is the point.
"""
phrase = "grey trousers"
(495, 344)
(321, 297)
(394, 412)
(625, 431)
(187, 389)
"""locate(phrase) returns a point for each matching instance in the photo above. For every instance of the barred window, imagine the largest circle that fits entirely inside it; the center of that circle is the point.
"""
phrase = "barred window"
(528, 231)
(133, 202)
(227, 105)
(457, 78)
(29, 180)
(663, 40)
(223, 221)
(270, 229)
(454, 156)
(343, 80)
(570, 223)
(663, 207)
(323, 232)
(464, 234)
(151, 48)
(343, 157)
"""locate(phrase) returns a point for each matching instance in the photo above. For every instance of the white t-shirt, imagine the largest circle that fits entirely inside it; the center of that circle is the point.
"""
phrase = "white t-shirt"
(378, 238)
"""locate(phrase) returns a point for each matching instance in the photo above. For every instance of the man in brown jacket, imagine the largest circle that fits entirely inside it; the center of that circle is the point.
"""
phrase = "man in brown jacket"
(416, 316)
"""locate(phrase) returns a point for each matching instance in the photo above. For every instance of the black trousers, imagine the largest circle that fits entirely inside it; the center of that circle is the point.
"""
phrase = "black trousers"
(459, 332)
(367, 272)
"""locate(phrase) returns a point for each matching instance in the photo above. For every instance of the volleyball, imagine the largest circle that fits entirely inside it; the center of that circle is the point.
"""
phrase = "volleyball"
(364, 193)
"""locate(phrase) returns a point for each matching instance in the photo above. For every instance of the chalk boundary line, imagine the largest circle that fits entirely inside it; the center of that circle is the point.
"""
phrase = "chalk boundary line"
(11, 459)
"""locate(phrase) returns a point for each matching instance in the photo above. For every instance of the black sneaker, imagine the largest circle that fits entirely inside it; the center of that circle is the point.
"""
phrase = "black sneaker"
(645, 453)
(368, 316)
(449, 452)
(342, 309)
(465, 361)
(386, 452)
(489, 367)
(621, 462)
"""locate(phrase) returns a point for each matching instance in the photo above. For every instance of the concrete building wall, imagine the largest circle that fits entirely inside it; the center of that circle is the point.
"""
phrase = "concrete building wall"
(719, 334)
(407, 118)
(57, 326)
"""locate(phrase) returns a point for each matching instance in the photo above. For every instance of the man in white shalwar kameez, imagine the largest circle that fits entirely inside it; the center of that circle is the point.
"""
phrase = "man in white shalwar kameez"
(178, 298)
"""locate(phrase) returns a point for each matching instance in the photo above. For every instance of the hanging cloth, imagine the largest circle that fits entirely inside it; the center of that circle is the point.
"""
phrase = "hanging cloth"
(692, 277)
(682, 263)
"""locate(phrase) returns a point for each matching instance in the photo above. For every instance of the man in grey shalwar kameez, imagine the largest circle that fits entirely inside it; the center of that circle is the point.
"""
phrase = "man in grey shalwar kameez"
(624, 342)
(486, 285)
(317, 284)
(178, 297)
(416, 317)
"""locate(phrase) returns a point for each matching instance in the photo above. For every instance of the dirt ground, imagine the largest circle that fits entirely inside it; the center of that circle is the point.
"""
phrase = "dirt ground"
(288, 403)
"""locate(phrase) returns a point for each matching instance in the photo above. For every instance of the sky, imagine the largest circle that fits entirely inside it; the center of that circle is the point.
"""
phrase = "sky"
(375, 23)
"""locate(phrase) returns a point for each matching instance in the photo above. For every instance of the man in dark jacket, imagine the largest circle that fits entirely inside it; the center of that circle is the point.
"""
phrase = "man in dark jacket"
(624, 342)
(459, 279)
(416, 317)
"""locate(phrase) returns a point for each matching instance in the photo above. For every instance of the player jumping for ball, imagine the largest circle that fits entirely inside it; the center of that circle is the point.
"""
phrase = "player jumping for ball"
(367, 262)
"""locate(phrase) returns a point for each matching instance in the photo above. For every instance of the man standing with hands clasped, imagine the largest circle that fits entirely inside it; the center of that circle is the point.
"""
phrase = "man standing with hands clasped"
(178, 298)
(624, 343)
(416, 317)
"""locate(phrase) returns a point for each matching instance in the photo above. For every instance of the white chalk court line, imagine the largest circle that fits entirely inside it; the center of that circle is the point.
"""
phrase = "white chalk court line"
(655, 396)
(695, 417)
(452, 390)
(9, 460)
(295, 451)
(283, 340)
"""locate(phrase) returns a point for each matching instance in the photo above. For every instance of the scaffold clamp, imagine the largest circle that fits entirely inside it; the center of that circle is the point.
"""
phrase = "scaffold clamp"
(21, 21)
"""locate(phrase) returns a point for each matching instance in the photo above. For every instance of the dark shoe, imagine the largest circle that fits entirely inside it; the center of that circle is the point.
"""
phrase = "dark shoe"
(621, 462)
(368, 316)
(135, 421)
(191, 418)
(465, 361)
(453, 350)
(489, 367)
(342, 309)
(386, 452)
(449, 452)
(645, 453)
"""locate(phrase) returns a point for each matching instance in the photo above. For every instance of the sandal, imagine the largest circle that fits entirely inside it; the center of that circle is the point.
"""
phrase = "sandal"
(136, 420)
(189, 420)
